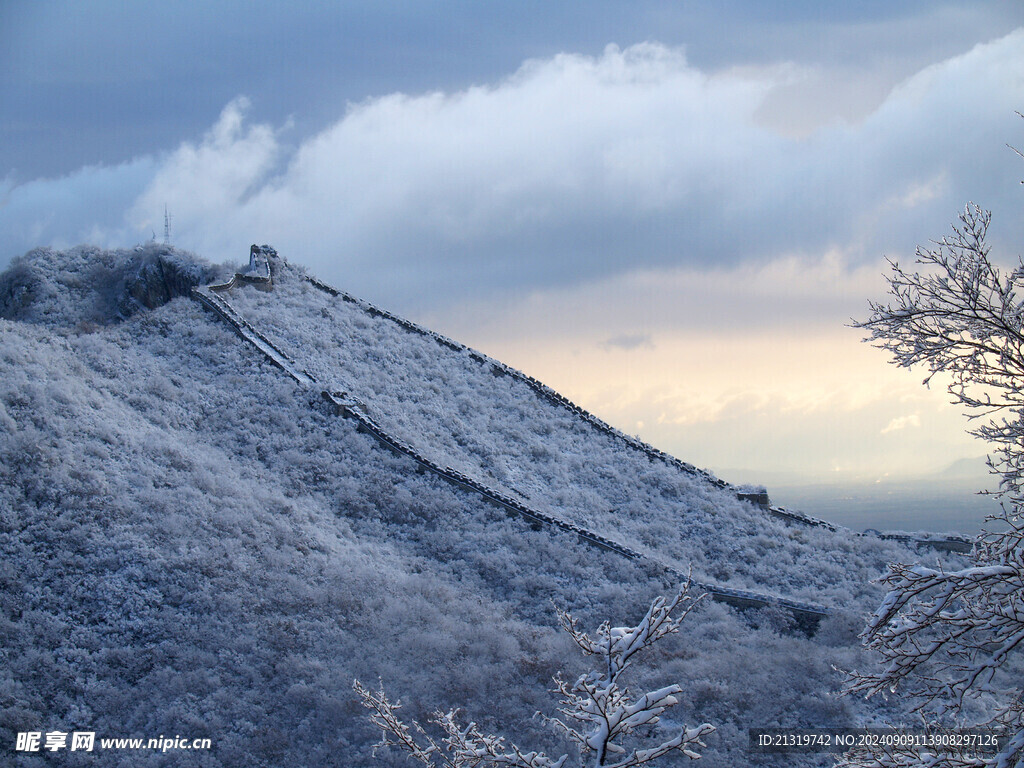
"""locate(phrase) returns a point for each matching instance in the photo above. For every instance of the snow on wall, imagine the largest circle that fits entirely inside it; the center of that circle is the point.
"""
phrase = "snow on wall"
(469, 415)
(342, 406)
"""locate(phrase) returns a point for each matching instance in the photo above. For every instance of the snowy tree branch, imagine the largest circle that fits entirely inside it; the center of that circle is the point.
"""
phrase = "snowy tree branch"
(945, 636)
(596, 712)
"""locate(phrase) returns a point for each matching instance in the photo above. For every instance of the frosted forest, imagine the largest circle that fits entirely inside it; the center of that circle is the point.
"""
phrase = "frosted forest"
(194, 540)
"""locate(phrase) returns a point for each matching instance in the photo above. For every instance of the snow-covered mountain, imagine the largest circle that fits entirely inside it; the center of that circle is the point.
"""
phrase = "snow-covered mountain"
(220, 505)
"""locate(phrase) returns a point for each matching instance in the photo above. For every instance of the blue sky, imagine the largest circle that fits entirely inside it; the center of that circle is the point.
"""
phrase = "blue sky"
(668, 210)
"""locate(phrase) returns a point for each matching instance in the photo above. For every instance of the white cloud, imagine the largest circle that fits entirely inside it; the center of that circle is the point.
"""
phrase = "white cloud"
(86, 206)
(572, 168)
(208, 186)
(902, 422)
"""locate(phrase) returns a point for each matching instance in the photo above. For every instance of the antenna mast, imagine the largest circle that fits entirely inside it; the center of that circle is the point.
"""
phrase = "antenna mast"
(167, 226)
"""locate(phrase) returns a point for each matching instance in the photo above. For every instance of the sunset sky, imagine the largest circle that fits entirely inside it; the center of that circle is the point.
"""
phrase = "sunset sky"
(669, 211)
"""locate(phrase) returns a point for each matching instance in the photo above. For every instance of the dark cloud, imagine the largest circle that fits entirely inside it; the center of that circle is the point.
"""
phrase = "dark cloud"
(629, 342)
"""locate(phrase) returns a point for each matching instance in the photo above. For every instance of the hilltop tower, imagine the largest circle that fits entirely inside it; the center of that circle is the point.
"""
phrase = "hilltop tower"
(167, 226)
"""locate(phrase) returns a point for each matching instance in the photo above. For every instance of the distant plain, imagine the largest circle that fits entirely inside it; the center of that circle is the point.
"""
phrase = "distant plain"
(949, 500)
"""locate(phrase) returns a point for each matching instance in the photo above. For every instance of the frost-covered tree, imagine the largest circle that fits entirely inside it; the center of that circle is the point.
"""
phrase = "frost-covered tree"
(595, 712)
(946, 637)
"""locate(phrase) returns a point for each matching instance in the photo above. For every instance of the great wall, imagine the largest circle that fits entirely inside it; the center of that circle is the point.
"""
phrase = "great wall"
(341, 403)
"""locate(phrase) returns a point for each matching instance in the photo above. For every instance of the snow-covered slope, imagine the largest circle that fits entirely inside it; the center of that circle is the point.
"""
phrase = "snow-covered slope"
(460, 410)
(193, 542)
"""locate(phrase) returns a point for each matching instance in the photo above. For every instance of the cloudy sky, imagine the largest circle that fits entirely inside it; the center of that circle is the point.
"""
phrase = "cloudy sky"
(668, 210)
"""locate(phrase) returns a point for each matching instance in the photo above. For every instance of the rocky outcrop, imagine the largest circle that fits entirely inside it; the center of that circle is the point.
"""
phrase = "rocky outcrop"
(19, 287)
(87, 286)
(157, 275)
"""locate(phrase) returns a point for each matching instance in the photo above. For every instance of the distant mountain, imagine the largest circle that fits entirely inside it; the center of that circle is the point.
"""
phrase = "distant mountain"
(975, 468)
(219, 505)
